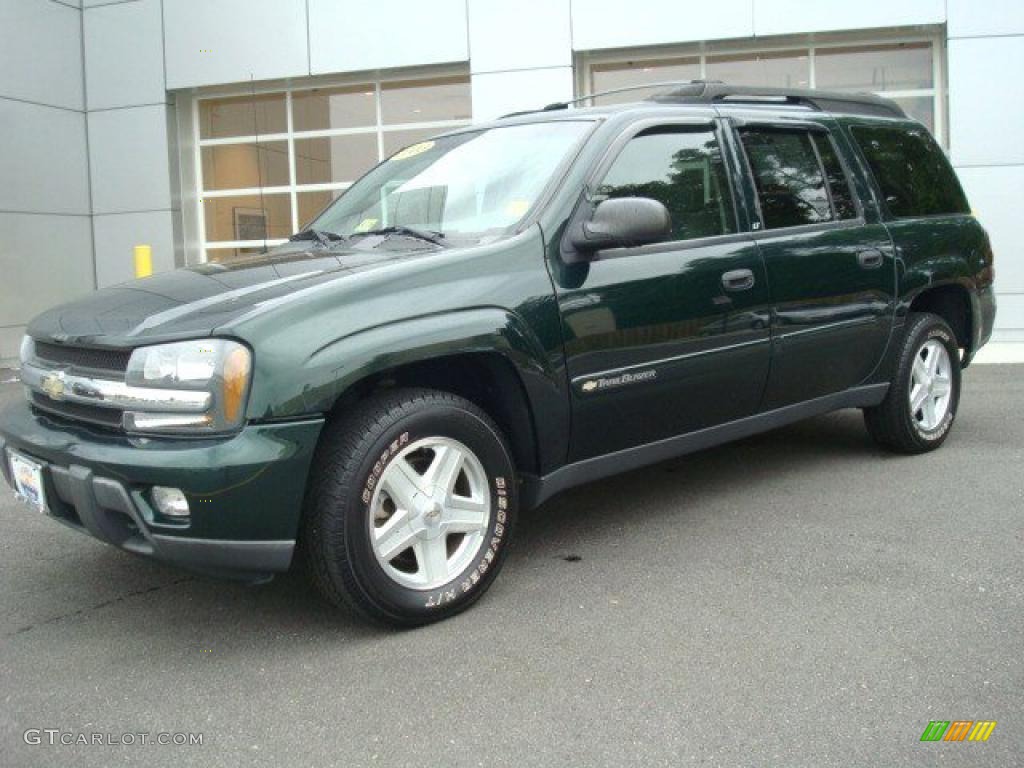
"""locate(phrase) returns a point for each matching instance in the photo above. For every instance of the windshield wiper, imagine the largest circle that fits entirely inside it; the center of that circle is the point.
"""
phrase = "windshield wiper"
(321, 236)
(437, 238)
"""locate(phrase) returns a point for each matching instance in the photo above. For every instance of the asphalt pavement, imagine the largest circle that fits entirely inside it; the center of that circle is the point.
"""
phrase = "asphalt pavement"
(795, 599)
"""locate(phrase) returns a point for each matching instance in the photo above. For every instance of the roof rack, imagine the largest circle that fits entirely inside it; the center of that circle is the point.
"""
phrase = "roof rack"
(715, 91)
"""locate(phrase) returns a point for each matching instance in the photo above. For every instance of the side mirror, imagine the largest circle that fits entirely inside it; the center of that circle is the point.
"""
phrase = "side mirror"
(622, 222)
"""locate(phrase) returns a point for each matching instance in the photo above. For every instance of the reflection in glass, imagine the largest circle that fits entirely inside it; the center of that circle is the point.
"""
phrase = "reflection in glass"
(790, 183)
(319, 109)
(242, 116)
(240, 166)
(681, 169)
(248, 217)
(838, 184)
(334, 159)
(783, 69)
(606, 77)
(912, 171)
(422, 101)
(901, 67)
(312, 203)
(472, 184)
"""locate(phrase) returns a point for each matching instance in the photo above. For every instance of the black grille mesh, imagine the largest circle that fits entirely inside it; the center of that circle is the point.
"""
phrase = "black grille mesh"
(80, 357)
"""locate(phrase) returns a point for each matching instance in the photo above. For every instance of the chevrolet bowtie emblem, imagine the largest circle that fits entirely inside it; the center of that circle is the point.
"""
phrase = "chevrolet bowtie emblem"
(53, 385)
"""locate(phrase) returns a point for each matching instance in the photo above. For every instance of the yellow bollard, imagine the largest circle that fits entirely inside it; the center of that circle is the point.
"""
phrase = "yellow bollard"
(143, 261)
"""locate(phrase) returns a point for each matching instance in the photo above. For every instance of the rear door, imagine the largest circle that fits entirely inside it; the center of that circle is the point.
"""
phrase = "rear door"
(671, 337)
(829, 261)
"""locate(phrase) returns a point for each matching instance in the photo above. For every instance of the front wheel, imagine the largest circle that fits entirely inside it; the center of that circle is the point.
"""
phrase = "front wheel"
(410, 508)
(919, 409)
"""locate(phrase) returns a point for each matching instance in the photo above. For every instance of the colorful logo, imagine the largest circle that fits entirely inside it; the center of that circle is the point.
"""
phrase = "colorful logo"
(958, 730)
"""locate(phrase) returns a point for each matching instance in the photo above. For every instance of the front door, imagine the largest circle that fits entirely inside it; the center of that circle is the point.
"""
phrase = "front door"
(832, 273)
(672, 337)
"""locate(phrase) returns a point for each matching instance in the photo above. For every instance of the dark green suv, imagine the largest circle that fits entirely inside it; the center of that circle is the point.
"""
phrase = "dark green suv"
(498, 314)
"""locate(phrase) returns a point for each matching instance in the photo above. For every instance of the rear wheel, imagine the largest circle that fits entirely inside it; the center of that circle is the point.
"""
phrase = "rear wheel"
(411, 506)
(922, 401)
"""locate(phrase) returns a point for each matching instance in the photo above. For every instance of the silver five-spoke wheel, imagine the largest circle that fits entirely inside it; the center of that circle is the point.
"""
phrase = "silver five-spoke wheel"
(430, 512)
(930, 385)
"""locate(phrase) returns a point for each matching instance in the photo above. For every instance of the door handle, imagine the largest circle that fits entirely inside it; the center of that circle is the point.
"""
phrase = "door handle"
(870, 259)
(738, 280)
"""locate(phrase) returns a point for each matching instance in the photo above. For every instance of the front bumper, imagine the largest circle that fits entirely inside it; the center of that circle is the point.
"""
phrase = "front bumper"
(245, 492)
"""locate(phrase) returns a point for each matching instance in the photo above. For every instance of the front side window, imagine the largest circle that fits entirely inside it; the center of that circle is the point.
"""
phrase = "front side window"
(911, 170)
(681, 168)
(470, 185)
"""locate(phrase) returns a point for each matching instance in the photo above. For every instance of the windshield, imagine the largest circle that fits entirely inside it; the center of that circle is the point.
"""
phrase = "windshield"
(471, 184)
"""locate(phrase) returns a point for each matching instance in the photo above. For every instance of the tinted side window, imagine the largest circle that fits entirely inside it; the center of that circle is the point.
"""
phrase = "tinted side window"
(790, 182)
(838, 184)
(911, 170)
(682, 169)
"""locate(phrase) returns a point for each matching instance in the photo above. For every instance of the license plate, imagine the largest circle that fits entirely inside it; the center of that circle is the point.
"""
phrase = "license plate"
(28, 480)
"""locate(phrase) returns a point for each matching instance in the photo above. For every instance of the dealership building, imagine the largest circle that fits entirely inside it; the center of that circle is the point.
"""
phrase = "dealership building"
(205, 128)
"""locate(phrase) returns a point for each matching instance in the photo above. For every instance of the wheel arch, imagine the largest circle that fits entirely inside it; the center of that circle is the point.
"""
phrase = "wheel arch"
(952, 302)
(487, 355)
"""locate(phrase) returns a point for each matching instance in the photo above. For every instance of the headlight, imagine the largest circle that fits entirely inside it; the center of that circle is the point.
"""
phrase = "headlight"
(28, 349)
(219, 367)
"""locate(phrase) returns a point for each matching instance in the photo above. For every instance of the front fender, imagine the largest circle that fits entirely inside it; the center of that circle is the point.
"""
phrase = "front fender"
(330, 371)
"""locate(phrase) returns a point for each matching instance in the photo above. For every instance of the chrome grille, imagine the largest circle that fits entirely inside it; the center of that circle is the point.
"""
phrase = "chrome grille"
(91, 414)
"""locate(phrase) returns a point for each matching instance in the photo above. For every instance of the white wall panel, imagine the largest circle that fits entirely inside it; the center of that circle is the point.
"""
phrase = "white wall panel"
(1009, 319)
(43, 165)
(130, 164)
(44, 260)
(227, 41)
(117, 234)
(124, 53)
(41, 53)
(520, 35)
(995, 194)
(778, 17)
(367, 34)
(985, 17)
(986, 93)
(10, 341)
(621, 23)
(498, 93)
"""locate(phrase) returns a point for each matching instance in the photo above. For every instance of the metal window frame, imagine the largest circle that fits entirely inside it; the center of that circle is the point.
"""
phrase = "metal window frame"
(374, 80)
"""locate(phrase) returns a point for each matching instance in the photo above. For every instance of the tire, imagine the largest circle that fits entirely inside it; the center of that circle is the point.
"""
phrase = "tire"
(389, 475)
(896, 424)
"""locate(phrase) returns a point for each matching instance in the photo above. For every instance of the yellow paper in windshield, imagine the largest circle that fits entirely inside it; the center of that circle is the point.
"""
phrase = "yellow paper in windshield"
(413, 150)
(365, 225)
(517, 207)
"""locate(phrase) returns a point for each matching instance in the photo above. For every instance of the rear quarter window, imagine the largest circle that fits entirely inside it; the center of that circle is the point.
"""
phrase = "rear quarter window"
(912, 171)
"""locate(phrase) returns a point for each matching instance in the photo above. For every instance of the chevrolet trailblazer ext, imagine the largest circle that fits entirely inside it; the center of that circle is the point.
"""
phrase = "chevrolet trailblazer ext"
(500, 313)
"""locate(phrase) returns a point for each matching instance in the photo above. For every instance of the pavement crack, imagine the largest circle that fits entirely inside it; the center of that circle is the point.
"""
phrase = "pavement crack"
(97, 606)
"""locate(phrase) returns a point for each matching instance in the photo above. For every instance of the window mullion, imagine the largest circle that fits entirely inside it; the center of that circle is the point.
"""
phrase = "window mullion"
(380, 120)
(290, 127)
(198, 171)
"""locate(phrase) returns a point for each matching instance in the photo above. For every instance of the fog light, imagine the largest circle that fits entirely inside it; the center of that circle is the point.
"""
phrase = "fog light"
(170, 501)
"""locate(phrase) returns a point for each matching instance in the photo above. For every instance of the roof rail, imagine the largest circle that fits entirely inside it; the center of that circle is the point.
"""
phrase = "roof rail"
(715, 91)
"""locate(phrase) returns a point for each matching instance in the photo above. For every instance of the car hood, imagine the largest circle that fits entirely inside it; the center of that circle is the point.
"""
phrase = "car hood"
(195, 301)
